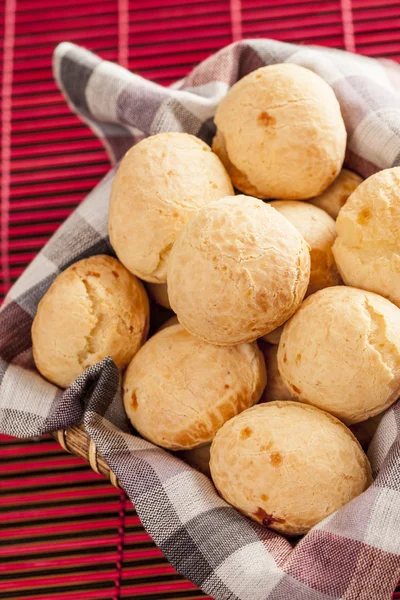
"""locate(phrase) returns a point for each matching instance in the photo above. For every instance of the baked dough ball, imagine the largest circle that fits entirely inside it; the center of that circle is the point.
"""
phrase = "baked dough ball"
(238, 270)
(93, 309)
(366, 249)
(318, 229)
(280, 133)
(159, 293)
(160, 184)
(287, 465)
(336, 195)
(275, 389)
(199, 458)
(341, 353)
(179, 390)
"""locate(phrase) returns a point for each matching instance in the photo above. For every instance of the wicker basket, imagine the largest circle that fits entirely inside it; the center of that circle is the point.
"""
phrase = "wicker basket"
(76, 441)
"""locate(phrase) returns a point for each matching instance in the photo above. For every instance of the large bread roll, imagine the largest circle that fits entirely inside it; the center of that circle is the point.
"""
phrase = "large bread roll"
(93, 309)
(238, 270)
(280, 133)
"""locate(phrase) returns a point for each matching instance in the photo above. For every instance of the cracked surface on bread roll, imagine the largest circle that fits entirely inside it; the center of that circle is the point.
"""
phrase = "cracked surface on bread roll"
(318, 230)
(160, 184)
(367, 247)
(238, 270)
(280, 133)
(93, 309)
(341, 353)
(179, 390)
(287, 465)
(337, 194)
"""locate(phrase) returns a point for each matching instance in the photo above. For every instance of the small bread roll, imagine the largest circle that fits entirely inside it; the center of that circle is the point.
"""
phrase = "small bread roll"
(160, 184)
(336, 195)
(179, 390)
(318, 229)
(275, 389)
(199, 458)
(159, 293)
(280, 133)
(287, 465)
(341, 353)
(238, 270)
(93, 309)
(367, 247)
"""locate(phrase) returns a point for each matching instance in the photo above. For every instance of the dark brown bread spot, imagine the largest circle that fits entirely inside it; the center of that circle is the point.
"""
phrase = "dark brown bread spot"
(265, 119)
(276, 459)
(265, 518)
(246, 433)
(364, 216)
(134, 402)
(92, 274)
(296, 389)
(115, 273)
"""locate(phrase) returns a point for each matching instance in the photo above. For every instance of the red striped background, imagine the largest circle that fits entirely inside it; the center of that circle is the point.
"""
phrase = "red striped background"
(63, 529)
(66, 532)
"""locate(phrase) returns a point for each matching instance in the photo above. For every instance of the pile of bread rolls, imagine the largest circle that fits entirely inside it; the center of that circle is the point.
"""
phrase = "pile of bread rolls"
(286, 334)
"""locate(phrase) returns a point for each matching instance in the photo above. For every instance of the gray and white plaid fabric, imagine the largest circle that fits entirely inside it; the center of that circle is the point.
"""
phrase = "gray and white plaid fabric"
(354, 553)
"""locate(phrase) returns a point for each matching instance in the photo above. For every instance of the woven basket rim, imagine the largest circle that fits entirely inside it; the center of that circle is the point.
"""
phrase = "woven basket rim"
(76, 441)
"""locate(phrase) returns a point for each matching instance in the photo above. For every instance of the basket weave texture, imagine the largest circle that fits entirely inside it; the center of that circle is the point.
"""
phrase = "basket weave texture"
(76, 441)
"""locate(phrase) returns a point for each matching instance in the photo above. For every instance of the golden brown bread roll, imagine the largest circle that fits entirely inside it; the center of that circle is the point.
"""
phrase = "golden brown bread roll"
(238, 270)
(179, 390)
(341, 353)
(318, 230)
(160, 184)
(287, 465)
(280, 133)
(337, 194)
(367, 247)
(93, 309)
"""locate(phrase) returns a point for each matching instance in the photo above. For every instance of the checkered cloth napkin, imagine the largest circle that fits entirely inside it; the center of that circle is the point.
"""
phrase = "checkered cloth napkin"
(352, 554)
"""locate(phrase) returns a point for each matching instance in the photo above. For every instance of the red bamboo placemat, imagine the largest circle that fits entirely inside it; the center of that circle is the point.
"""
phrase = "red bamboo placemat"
(63, 529)
(65, 532)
